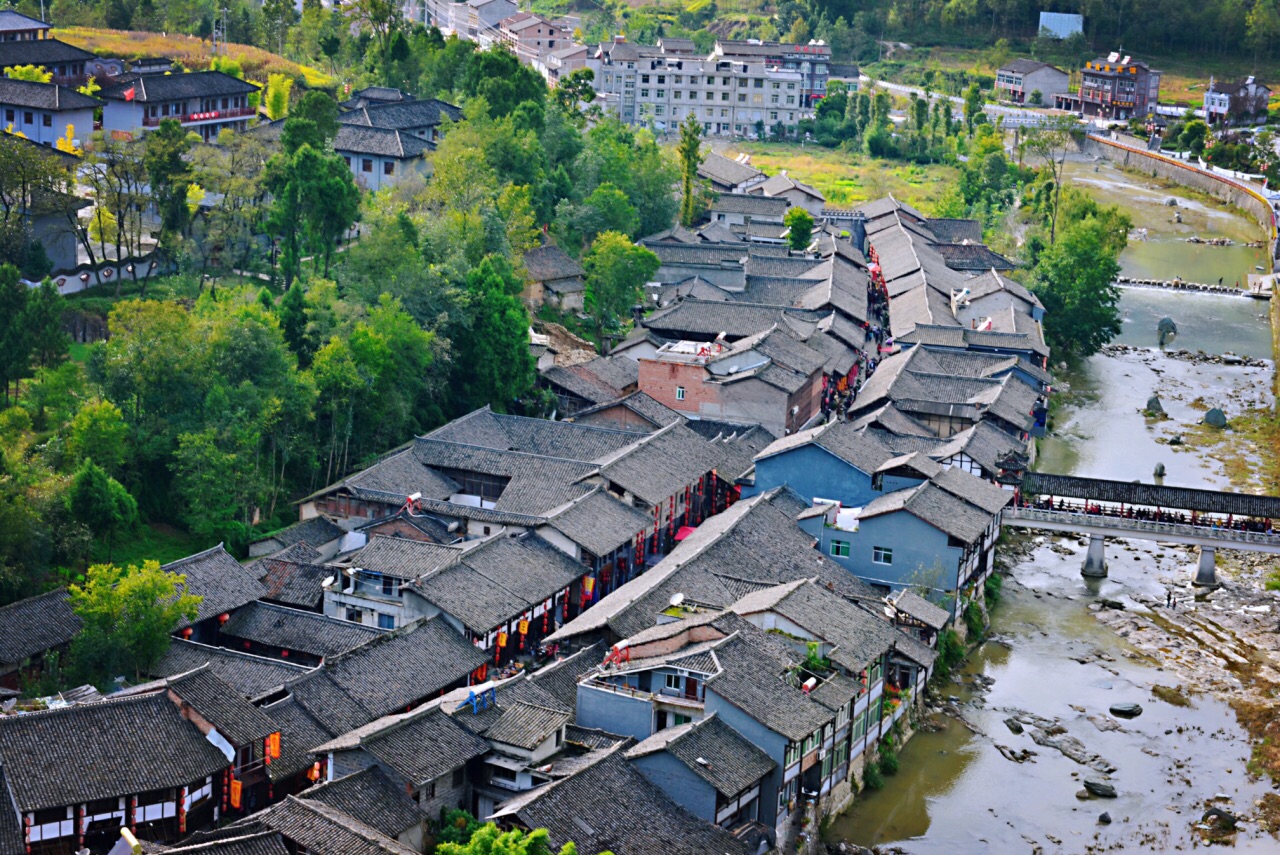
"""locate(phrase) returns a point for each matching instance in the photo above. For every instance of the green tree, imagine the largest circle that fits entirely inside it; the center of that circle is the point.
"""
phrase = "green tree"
(799, 223)
(126, 615)
(1075, 279)
(99, 433)
(169, 174)
(277, 97)
(1051, 142)
(42, 318)
(607, 209)
(616, 272)
(1193, 137)
(492, 363)
(101, 503)
(973, 103)
(577, 87)
(488, 840)
(30, 73)
(321, 110)
(689, 154)
(15, 337)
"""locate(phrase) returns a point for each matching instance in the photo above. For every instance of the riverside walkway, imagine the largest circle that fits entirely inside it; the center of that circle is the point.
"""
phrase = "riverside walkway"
(1100, 508)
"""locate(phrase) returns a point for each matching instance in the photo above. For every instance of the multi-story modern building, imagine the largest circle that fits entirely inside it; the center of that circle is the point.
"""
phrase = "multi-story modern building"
(739, 89)
(1114, 87)
(531, 37)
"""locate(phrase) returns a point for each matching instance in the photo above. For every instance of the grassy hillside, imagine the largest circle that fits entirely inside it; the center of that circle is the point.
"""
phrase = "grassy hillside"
(192, 52)
(846, 178)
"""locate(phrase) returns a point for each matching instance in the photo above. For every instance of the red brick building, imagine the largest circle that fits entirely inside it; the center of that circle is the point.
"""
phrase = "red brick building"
(771, 379)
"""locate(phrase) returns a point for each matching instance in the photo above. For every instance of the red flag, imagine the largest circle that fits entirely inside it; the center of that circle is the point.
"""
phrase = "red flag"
(129, 93)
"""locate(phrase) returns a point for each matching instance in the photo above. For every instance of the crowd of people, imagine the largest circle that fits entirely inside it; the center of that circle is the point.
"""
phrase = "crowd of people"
(1160, 515)
(840, 392)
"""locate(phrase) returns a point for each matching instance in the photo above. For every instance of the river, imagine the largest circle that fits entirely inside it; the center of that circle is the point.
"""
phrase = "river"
(955, 792)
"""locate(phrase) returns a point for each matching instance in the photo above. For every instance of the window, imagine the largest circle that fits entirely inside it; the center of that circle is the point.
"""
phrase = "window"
(773, 116)
(347, 159)
(881, 555)
(28, 118)
(366, 164)
(459, 776)
(679, 393)
(644, 78)
(354, 616)
(775, 85)
(840, 548)
(758, 83)
(724, 96)
(842, 716)
(677, 719)
(860, 726)
(389, 586)
(644, 93)
(662, 79)
(773, 99)
(812, 741)
(678, 93)
(791, 87)
(662, 93)
(792, 755)
(678, 78)
(388, 168)
(427, 792)
(742, 98)
(8, 115)
(675, 681)
(46, 120)
(659, 110)
(386, 621)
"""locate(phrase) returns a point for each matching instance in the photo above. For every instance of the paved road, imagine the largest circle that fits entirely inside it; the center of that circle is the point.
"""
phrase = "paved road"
(1022, 116)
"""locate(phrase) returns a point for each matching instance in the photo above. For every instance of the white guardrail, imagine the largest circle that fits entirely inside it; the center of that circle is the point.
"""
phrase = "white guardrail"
(1226, 535)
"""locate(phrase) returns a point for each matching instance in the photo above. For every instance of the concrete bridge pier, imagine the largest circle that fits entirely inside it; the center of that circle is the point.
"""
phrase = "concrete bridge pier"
(1095, 559)
(1206, 576)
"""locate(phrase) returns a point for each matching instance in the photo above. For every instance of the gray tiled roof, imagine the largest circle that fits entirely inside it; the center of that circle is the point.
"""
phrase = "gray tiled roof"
(251, 676)
(527, 726)
(34, 625)
(859, 636)
(222, 582)
(499, 580)
(750, 204)
(372, 798)
(401, 475)
(403, 115)
(380, 142)
(599, 523)
(315, 532)
(564, 440)
(12, 838)
(961, 256)
(294, 583)
(551, 262)
(755, 682)
(401, 557)
(662, 464)
(317, 827)
(43, 96)
(43, 52)
(844, 440)
(152, 88)
(658, 414)
(713, 751)
(293, 629)
(579, 380)
(537, 483)
(87, 752)
(422, 747)
(936, 506)
(388, 674)
(918, 607)
(950, 230)
(700, 319)
(300, 732)
(239, 721)
(720, 169)
(518, 690)
(560, 678)
(610, 806)
(752, 545)
(247, 841)
(11, 21)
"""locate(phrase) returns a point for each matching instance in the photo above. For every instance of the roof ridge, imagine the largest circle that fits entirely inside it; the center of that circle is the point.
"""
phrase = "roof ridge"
(190, 558)
(346, 821)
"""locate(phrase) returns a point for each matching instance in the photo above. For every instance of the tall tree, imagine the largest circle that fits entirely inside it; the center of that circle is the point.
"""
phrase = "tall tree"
(1075, 279)
(689, 153)
(491, 359)
(99, 433)
(1051, 142)
(799, 223)
(101, 503)
(169, 174)
(15, 337)
(126, 615)
(42, 318)
(616, 272)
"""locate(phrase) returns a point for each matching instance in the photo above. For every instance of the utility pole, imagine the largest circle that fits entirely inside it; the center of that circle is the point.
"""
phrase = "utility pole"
(220, 33)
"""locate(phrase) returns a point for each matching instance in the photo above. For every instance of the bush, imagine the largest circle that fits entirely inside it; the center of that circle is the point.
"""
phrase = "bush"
(973, 620)
(889, 762)
(993, 590)
(950, 652)
(872, 778)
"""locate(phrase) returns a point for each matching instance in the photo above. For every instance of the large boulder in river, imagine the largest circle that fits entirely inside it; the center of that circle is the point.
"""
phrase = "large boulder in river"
(1215, 418)
(1101, 789)
(1126, 710)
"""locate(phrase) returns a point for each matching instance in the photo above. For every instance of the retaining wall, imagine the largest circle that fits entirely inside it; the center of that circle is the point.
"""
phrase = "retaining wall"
(1225, 189)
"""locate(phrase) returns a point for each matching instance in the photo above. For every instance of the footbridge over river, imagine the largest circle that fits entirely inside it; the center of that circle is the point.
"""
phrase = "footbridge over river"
(1208, 519)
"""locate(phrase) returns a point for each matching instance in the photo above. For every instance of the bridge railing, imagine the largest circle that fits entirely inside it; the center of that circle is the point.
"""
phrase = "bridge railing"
(1226, 535)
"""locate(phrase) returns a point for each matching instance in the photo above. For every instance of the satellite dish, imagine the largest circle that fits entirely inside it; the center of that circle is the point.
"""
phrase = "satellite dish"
(677, 600)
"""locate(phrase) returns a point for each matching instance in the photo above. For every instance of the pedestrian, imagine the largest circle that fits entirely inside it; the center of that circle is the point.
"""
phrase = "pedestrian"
(1168, 599)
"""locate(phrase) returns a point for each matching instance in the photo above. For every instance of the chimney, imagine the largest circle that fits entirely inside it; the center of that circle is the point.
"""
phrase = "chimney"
(619, 39)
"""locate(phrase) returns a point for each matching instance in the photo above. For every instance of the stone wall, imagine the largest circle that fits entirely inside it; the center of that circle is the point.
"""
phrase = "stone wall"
(1159, 166)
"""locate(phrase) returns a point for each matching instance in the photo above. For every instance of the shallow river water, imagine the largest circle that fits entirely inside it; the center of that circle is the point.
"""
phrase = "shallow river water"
(955, 792)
